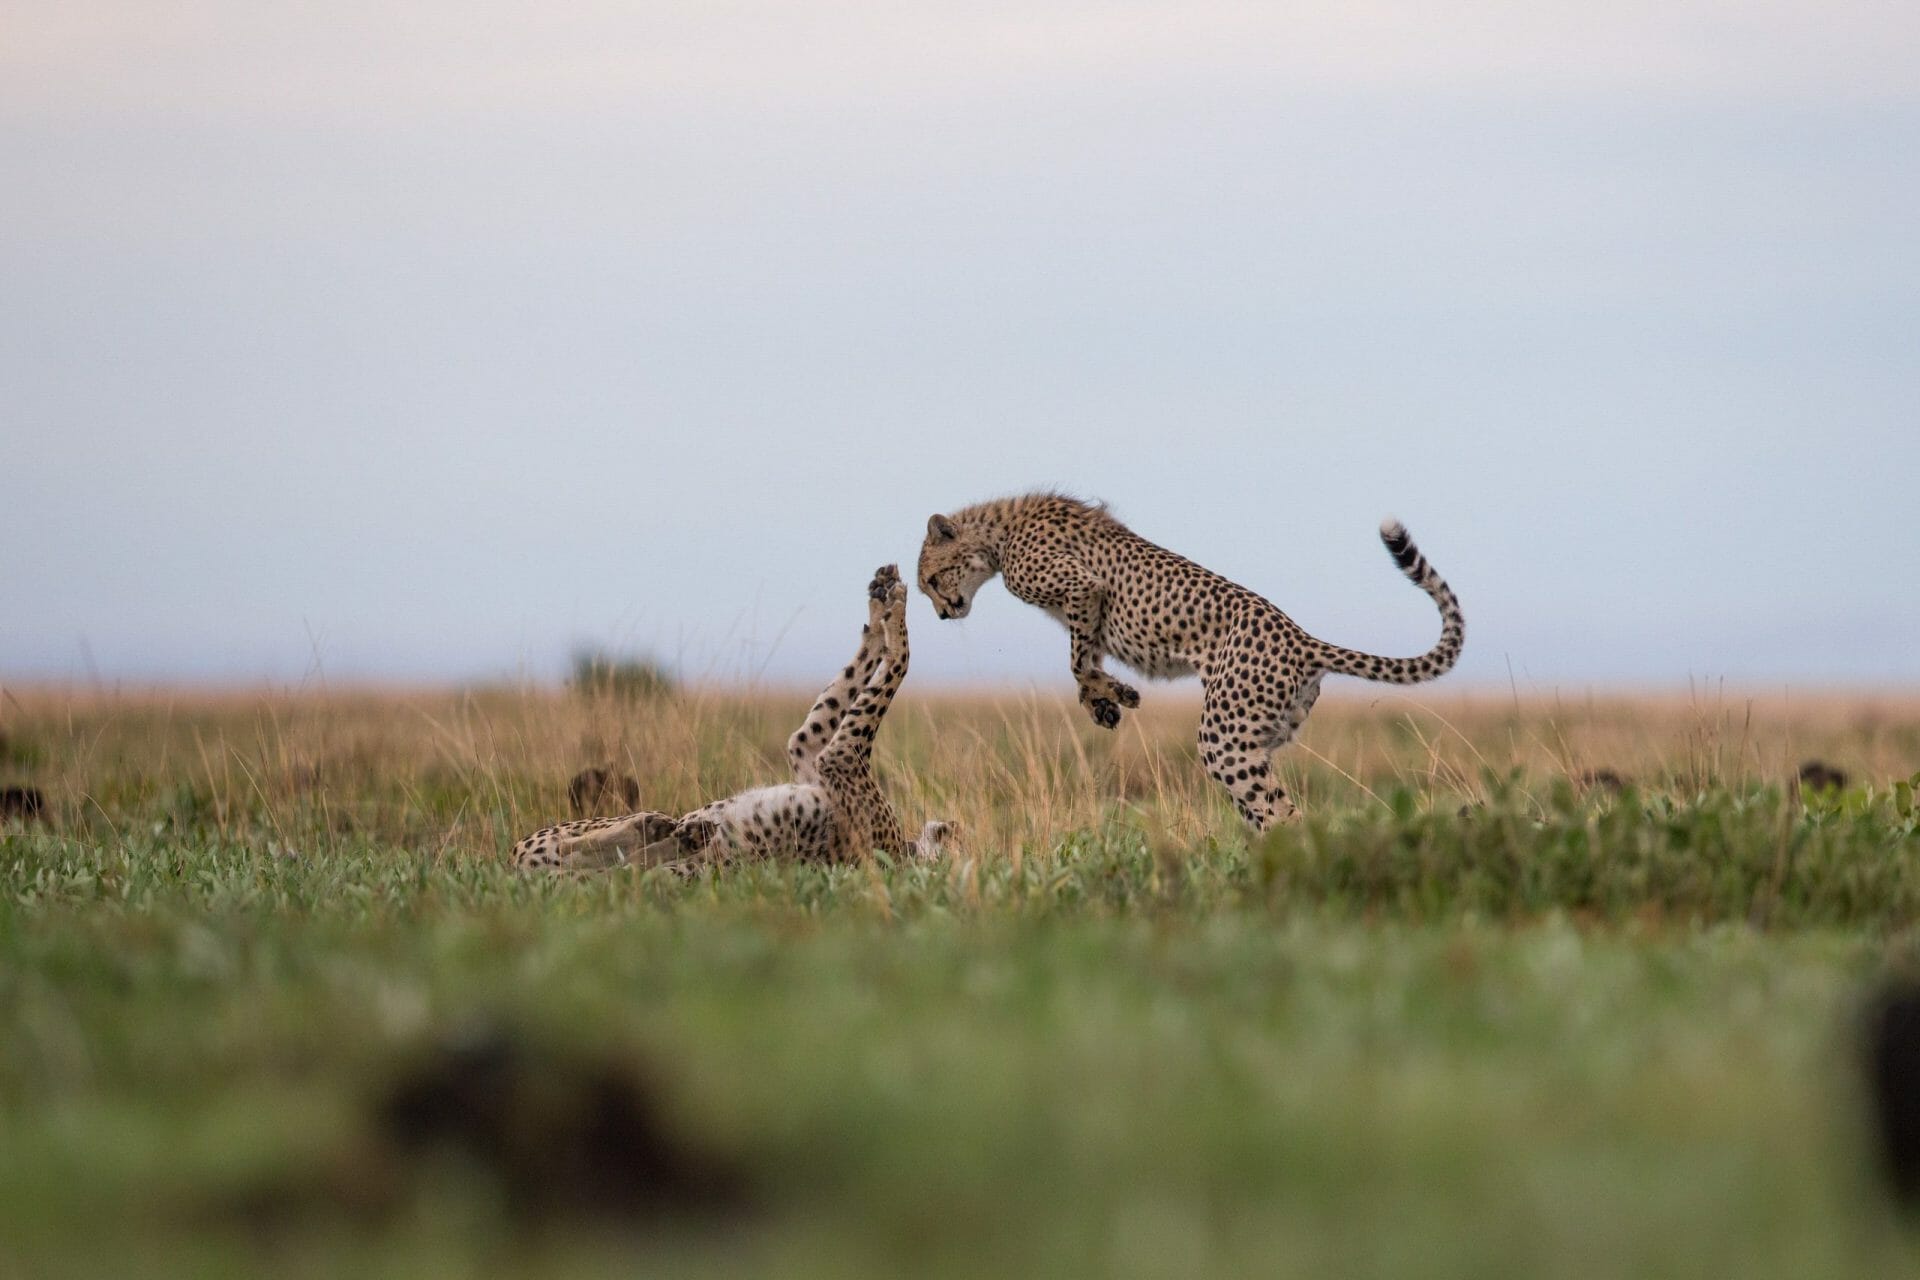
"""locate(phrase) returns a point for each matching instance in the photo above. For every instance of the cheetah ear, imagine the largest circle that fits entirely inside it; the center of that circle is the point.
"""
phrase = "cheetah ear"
(940, 529)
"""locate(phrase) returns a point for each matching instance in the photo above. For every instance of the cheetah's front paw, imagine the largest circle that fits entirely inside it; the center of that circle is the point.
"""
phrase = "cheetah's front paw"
(695, 834)
(1105, 712)
(654, 827)
(885, 580)
(1124, 694)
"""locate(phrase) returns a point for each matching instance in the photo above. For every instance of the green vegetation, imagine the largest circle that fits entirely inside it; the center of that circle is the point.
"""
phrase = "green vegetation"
(1560, 1034)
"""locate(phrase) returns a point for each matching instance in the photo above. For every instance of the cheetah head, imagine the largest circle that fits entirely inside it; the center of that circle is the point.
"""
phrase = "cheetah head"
(952, 568)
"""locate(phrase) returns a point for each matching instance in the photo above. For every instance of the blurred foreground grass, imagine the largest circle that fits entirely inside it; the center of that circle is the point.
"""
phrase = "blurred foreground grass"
(1570, 1032)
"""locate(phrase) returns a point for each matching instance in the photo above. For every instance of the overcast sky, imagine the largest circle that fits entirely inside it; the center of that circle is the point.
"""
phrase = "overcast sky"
(427, 341)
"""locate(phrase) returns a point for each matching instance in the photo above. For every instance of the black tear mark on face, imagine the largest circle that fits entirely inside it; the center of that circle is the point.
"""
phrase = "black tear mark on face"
(946, 603)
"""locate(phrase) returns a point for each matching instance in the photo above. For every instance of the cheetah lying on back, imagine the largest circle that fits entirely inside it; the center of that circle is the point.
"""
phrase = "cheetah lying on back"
(833, 810)
(1165, 616)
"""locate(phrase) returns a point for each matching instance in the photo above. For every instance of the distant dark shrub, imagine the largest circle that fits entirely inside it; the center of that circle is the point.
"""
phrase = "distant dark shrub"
(594, 789)
(600, 674)
(24, 803)
(1818, 775)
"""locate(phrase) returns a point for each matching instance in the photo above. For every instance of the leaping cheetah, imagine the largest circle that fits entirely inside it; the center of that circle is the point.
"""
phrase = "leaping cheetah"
(1165, 616)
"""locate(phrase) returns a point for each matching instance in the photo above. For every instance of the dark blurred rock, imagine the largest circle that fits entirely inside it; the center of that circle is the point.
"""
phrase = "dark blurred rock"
(561, 1135)
(24, 803)
(593, 791)
(1818, 775)
(1893, 1085)
(554, 1138)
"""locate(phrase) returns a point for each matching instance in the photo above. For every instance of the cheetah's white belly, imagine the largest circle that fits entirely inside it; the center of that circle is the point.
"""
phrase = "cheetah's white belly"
(793, 819)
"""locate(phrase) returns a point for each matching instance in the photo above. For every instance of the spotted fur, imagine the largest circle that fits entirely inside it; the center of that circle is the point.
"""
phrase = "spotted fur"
(1165, 616)
(833, 810)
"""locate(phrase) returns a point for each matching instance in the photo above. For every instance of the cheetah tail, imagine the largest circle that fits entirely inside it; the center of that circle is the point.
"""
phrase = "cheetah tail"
(1436, 661)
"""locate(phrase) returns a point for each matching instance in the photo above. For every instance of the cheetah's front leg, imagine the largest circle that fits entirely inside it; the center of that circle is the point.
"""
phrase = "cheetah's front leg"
(1085, 614)
(1100, 693)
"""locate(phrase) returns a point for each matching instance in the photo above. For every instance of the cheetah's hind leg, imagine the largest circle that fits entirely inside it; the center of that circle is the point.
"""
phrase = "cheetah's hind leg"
(1298, 709)
(595, 843)
(823, 720)
(1240, 721)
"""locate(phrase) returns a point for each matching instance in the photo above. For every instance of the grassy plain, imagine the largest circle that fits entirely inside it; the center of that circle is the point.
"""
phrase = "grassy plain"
(1473, 1017)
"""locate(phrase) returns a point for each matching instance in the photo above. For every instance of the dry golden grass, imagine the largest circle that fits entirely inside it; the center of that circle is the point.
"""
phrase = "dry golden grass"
(472, 770)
